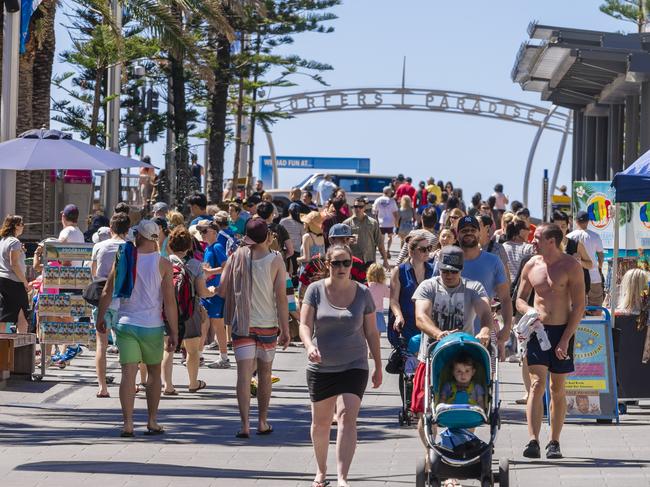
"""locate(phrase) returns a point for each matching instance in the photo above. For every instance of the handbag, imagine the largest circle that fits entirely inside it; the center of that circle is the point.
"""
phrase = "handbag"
(93, 292)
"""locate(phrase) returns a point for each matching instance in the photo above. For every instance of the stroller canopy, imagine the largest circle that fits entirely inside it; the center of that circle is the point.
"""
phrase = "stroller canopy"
(451, 345)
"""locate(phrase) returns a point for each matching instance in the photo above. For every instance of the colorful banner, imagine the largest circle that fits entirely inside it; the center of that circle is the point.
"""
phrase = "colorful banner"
(597, 199)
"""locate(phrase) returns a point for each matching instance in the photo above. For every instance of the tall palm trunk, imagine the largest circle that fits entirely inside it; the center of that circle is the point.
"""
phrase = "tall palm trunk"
(218, 115)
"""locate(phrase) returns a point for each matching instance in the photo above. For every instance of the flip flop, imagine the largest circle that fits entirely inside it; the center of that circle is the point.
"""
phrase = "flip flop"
(267, 431)
(170, 393)
(102, 394)
(154, 431)
(242, 435)
(127, 434)
(202, 385)
(322, 483)
(522, 400)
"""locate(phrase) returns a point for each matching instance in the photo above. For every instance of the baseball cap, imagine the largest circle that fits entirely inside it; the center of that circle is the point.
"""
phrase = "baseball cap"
(582, 216)
(71, 212)
(256, 231)
(340, 230)
(468, 221)
(451, 259)
(160, 206)
(205, 223)
(102, 233)
(147, 229)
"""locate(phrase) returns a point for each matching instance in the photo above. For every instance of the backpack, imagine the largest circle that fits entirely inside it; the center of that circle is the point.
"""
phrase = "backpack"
(184, 290)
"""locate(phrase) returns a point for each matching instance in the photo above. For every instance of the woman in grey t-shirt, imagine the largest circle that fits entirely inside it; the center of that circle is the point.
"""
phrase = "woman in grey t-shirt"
(337, 326)
(14, 303)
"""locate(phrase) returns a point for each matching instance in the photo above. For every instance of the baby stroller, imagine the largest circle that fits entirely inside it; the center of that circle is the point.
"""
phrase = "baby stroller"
(459, 453)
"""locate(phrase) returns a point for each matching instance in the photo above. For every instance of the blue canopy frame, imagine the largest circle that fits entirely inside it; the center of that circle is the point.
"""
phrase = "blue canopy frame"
(633, 184)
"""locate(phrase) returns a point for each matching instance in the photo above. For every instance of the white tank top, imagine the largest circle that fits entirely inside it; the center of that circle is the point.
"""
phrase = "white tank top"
(264, 313)
(144, 307)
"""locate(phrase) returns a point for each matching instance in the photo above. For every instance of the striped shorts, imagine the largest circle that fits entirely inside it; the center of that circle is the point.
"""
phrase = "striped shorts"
(259, 344)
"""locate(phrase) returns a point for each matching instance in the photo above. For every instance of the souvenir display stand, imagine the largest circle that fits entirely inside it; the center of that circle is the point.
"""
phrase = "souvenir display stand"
(64, 317)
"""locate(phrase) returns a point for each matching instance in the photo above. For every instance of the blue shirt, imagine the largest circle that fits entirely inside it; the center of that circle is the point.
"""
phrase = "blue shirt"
(199, 218)
(215, 256)
(226, 238)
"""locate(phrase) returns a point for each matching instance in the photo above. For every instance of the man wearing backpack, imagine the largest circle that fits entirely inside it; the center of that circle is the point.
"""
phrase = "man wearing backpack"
(143, 281)
(257, 310)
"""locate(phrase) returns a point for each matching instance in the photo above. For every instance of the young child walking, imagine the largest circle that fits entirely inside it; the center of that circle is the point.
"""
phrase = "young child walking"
(378, 290)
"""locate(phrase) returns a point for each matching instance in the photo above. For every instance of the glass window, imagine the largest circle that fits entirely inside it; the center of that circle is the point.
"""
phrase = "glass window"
(352, 184)
(377, 185)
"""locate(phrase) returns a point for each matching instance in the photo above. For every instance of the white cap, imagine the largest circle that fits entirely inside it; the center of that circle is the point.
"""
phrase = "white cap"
(147, 229)
(102, 233)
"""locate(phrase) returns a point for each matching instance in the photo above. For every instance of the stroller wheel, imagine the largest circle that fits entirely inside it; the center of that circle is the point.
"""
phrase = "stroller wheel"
(421, 472)
(504, 472)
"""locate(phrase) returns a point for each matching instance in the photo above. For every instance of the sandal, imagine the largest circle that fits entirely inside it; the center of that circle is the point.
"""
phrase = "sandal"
(173, 392)
(127, 434)
(103, 394)
(202, 385)
(242, 435)
(154, 431)
(267, 431)
(321, 483)
(141, 387)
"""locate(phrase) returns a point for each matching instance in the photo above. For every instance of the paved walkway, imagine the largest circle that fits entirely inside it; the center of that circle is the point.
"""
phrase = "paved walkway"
(58, 432)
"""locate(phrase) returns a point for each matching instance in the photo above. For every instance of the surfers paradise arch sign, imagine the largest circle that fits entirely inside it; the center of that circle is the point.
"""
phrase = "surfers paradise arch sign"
(427, 100)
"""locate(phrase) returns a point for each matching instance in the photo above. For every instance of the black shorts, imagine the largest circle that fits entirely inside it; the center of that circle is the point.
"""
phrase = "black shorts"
(13, 298)
(536, 356)
(386, 230)
(328, 384)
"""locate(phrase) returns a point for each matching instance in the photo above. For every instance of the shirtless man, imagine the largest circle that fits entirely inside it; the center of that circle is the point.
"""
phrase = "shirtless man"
(559, 289)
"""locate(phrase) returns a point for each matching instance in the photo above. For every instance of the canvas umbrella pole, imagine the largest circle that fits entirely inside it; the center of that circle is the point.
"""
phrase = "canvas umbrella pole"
(613, 300)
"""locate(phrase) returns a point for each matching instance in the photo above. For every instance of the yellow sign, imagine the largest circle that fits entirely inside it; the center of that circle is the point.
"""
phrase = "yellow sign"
(595, 385)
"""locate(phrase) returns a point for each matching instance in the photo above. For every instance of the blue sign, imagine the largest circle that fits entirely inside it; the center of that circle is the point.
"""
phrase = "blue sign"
(327, 164)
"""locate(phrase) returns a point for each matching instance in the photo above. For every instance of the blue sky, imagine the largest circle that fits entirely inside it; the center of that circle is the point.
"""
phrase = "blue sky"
(448, 47)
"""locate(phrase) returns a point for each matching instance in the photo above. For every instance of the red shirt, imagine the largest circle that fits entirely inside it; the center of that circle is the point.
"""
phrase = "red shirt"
(406, 189)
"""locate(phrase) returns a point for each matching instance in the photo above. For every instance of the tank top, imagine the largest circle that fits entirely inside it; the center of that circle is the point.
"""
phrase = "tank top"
(144, 307)
(264, 313)
(408, 284)
(315, 248)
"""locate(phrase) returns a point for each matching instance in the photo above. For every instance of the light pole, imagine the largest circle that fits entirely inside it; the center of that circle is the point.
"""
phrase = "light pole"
(111, 193)
(9, 106)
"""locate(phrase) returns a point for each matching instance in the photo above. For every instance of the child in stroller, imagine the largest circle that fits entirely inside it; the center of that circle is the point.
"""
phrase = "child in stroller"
(408, 351)
(463, 389)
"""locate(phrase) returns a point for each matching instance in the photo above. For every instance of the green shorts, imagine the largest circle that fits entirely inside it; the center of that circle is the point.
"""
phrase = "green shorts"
(139, 344)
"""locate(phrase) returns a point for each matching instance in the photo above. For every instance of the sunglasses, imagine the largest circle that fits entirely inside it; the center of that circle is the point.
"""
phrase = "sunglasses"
(203, 231)
(359, 207)
(446, 271)
(454, 217)
(341, 263)
(425, 250)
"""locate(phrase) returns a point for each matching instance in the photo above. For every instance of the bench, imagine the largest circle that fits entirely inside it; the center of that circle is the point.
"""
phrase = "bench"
(17, 354)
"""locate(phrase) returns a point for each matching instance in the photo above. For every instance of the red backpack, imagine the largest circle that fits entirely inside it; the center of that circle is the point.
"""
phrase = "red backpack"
(184, 290)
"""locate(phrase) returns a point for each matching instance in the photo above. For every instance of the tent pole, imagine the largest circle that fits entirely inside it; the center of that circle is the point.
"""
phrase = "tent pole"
(613, 300)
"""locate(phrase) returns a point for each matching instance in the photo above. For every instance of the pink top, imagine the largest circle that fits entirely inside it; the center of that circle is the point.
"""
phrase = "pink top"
(379, 291)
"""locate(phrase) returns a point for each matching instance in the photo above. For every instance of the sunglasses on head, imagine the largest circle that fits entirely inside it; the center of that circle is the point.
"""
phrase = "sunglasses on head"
(341, 263)
(447, 271)
(425, 250)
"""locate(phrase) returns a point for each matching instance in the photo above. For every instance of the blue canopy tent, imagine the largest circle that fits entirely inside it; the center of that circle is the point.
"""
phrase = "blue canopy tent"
(631, 186)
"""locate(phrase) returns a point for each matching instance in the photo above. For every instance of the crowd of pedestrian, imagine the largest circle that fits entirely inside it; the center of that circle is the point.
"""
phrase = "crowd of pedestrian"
(233, 276)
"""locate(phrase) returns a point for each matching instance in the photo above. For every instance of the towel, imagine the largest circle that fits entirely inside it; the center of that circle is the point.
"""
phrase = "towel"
(529, 324)
(236, 287)
(125, 270)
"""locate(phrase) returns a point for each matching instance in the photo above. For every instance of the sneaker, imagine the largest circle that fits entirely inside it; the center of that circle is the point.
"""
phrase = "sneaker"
(553, 450)
(220, 364)
(532, 449)
(112, 349)
(274, 379)
(211, 346)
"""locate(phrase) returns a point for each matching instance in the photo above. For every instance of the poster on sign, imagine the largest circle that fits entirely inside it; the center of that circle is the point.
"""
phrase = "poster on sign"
(597, 199)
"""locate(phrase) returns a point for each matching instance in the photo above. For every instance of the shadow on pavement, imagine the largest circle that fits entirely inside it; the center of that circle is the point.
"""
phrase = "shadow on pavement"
(582, 462)
(156, 469)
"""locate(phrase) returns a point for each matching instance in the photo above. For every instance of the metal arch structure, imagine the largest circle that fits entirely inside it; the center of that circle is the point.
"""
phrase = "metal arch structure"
(425, 100)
